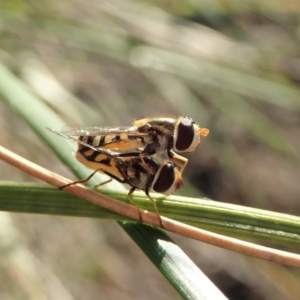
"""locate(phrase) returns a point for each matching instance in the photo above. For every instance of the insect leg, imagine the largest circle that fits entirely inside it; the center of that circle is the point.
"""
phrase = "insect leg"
(155, 207)
(102, 183)
(179, 161)
(90, 176)
(82, 180)
(130, 199)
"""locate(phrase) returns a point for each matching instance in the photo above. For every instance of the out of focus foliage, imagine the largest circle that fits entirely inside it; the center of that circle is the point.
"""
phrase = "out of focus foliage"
(234, 67)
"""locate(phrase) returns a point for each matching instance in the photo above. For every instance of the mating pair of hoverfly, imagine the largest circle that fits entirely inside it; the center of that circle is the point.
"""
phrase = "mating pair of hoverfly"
(141, 155)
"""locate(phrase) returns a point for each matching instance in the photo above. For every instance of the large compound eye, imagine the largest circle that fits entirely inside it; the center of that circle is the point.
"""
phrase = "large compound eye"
(164, 179)
(186, 135)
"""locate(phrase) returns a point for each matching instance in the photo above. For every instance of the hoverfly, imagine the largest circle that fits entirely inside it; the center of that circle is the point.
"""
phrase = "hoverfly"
(140, 172)
(157, 136)
(142, 154)
(143, 172)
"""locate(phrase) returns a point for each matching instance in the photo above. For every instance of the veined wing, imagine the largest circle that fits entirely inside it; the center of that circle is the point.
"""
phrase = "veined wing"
(109, 147)
(94, 131)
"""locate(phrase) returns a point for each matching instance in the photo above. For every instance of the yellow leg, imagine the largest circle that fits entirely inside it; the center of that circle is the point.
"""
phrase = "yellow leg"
(82, 180)
(102, 183)
(179, 161)
(155, 207)
(132, 202)
(139, 209)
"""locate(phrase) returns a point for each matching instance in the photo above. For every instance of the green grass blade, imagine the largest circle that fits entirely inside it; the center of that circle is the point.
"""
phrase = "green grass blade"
(229, 219)
(173, 263)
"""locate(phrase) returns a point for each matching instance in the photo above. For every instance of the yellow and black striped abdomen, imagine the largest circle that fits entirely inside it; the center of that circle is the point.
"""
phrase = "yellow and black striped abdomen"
(98, 161)
(119, 141)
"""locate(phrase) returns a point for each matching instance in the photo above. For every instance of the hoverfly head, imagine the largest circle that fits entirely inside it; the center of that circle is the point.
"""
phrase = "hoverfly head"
(187, 135)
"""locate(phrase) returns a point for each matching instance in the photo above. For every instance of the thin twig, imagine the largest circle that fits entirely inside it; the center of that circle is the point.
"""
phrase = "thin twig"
(83, 192)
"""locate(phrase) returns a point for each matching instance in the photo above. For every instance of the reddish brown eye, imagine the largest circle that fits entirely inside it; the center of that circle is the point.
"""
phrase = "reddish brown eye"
(185, 134)
(165, 179)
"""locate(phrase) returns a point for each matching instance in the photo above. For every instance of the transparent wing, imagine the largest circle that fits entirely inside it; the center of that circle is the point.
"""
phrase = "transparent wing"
(116, 149)
(94, 131)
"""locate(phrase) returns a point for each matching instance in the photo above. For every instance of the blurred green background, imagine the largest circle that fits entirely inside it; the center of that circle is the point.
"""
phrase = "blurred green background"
(233, 66)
